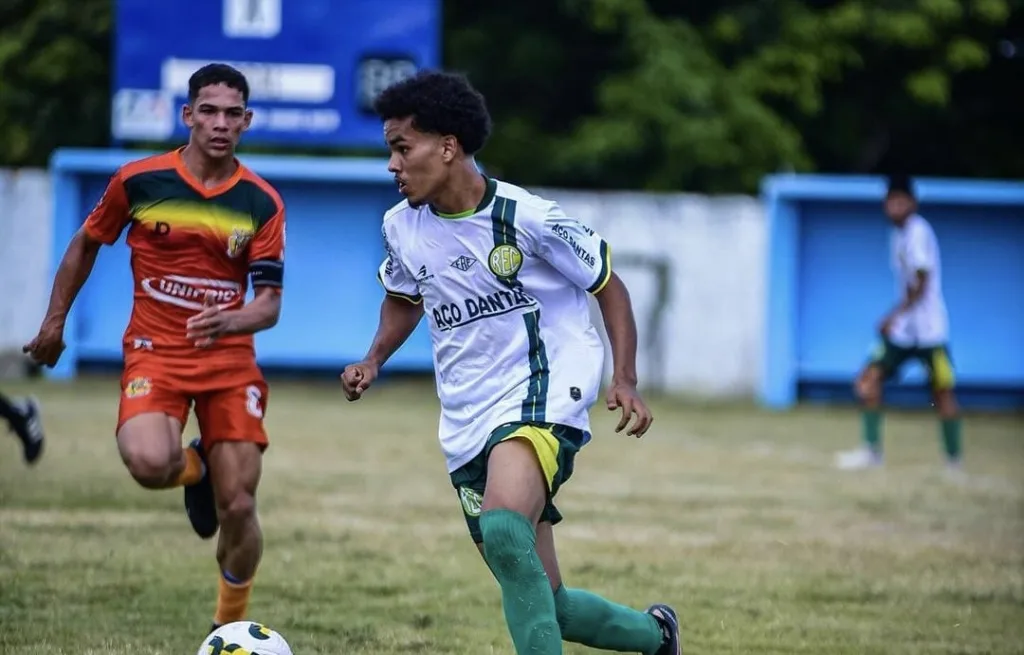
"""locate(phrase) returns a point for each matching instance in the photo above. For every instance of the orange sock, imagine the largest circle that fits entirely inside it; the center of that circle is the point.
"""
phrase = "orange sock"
(232, 601)
(193, 471)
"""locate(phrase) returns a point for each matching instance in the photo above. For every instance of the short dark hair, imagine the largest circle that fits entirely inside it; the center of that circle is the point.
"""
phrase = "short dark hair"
(213, 74)
(439, 103)
(901, 183)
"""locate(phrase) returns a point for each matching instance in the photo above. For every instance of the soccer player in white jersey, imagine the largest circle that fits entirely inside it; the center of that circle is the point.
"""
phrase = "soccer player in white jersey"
(917, 328)
(502, 277)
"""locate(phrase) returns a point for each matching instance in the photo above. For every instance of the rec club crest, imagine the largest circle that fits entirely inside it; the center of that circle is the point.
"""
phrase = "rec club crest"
(238, 241)
(138, 387)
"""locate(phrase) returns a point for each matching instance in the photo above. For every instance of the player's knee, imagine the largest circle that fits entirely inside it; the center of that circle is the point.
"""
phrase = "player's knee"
(946, 405)
(236, 509)
(150, 468)
(507, 536)
(868, 387)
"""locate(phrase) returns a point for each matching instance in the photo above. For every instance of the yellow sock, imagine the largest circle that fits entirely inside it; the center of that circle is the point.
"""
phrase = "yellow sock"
(193, 471)
(232, 601)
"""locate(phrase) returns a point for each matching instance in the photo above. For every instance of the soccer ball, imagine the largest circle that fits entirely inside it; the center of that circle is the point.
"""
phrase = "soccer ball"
(244, 638)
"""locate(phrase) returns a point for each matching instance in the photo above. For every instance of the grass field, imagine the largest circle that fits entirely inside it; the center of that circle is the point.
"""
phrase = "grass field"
(732, 515)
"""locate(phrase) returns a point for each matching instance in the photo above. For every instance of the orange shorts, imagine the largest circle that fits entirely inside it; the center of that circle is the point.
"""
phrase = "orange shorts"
(229, 397)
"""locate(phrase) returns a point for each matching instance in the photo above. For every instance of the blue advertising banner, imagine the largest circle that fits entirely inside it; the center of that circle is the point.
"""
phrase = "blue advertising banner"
(314, 66)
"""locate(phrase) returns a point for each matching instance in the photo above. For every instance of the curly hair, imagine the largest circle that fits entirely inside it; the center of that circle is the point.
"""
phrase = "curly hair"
(439, 103)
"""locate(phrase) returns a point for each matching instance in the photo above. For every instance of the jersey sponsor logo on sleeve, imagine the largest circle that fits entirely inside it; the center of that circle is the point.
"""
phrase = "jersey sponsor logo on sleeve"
(583, 226)
(582, 253)
(389, 256)
(451, 315)
(189, 292)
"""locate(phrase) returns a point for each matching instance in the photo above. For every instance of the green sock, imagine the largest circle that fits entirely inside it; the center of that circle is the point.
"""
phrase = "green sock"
(951, 437)
(510, 546)
(588, 619)
(871, 420)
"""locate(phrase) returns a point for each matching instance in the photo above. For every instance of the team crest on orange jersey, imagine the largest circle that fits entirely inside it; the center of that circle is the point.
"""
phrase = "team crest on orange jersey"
(237, 242)
(138, 387)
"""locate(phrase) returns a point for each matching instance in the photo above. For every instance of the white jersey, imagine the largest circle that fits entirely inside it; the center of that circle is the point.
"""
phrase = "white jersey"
(914, 248)
(504, 289)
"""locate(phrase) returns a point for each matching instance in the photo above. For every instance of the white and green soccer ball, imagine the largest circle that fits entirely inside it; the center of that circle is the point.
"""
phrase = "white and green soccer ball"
(244, 638)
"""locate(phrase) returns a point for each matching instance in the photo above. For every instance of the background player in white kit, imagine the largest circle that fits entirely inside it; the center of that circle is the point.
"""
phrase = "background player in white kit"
(918, 328)
(502, 277)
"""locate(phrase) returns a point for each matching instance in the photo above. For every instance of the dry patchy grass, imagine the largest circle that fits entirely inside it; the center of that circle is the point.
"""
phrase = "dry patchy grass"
(732, 515)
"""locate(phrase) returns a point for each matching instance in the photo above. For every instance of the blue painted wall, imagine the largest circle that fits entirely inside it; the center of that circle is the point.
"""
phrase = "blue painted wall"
(330, 305)
(828, 276)
(829, 283)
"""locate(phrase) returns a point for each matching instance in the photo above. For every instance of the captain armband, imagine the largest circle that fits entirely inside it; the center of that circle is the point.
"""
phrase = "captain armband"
(266, 273)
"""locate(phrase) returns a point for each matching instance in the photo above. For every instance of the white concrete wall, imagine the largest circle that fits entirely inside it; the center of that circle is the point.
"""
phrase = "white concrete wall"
(700, 317)
(25, 229)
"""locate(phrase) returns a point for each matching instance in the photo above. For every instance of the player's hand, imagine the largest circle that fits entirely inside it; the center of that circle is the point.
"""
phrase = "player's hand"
(624, 395)
(885, 326)
(357, 378)
(47, 346)
(204, 328)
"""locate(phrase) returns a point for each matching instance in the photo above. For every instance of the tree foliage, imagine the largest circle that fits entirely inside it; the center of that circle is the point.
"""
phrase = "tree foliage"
(54, 77)
(711, 96)
(646, 94)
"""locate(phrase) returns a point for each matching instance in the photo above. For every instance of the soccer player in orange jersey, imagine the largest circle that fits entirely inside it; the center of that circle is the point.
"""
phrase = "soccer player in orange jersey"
(199, 223)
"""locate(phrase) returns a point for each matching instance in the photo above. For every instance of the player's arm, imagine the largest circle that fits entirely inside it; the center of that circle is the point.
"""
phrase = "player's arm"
(266, 276)
(400, 311)
(911, 295)
(620, 324)
(920, 261)
(915, 290)
(102, 227)
(74, 269)
(398, 320)
(260, 313)
(584, 258)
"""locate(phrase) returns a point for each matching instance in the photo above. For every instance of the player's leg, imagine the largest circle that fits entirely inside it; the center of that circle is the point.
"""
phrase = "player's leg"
(868, 388)
(236, 468)
(942, 378)
(582, 617)
(25, 421)
(150, 447)
(588, 619)
(514, 497)
(199, 503)
(883, 364)
(151, 415)
(231, 422)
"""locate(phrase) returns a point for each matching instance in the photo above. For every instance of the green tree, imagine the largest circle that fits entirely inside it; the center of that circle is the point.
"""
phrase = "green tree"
(54, 77)
(713, 100)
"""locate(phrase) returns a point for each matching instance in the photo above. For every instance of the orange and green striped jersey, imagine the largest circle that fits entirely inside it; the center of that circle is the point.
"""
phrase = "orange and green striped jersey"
(187, 240)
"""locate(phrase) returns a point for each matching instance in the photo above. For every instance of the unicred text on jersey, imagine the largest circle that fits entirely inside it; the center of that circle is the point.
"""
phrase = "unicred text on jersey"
(187, 241)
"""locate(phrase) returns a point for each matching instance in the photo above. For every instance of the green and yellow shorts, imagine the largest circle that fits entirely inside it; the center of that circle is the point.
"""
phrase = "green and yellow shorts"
(556, 446)
(936, 360)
